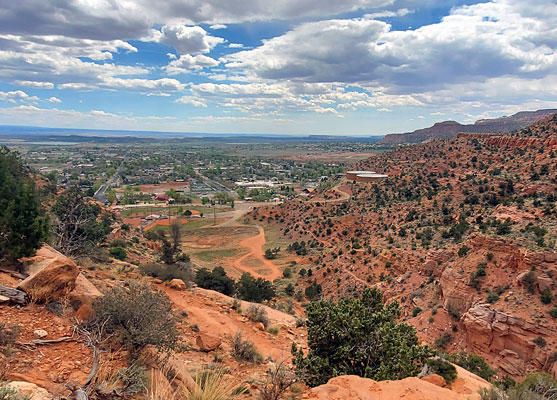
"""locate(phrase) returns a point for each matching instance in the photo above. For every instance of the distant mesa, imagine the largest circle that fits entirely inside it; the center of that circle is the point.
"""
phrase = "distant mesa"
(364, 176)
(450, 129)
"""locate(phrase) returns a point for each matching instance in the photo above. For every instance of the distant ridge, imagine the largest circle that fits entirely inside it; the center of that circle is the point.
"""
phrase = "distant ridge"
(449, 129)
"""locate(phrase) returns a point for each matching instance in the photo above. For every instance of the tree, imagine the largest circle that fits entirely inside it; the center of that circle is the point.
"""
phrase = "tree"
(80, 223)
(22, 226)
(359, 337)
(215, 280)
(257, 290)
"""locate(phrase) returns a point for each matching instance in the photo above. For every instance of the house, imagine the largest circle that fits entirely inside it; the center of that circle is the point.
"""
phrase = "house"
(162, 197)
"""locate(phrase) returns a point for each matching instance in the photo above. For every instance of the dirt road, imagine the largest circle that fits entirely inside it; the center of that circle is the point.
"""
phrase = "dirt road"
(255, 246)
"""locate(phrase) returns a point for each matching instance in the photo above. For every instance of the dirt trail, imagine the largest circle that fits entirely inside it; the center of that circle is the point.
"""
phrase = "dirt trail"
(343, 197)
(255, 246)
(207, 313)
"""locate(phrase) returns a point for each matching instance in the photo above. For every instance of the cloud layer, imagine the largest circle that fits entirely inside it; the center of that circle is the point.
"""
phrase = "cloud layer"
(331, 58)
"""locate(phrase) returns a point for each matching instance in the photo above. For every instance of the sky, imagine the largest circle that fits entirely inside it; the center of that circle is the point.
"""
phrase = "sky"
(342, 67)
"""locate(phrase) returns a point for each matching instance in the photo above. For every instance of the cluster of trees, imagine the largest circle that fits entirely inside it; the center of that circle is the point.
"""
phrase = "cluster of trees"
(298, 247)
(247, 288)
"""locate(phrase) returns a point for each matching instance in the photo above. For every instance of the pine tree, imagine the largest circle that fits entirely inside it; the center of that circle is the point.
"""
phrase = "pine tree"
(359, 337)
(22, 226)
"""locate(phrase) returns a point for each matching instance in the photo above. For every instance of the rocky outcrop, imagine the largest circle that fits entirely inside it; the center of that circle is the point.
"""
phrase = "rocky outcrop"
(521, 142)
(55, 277)
(457, 294)
(506, 338)
(53, 281)
(30, 390)
(352, 387)
(436, 261)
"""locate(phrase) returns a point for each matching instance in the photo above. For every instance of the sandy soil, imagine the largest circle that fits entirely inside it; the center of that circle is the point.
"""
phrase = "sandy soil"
(255, 246)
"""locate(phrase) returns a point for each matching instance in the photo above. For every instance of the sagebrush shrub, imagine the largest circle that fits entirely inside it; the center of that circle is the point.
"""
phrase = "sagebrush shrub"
(139, 316)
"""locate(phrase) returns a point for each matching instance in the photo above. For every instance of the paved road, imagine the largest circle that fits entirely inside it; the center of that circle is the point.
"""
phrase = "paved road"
(100, 195)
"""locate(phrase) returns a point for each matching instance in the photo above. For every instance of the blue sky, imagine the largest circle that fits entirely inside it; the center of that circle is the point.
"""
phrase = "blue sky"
(357, 67)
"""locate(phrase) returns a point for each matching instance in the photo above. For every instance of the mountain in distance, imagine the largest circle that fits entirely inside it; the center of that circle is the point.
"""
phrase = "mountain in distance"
(449, 129)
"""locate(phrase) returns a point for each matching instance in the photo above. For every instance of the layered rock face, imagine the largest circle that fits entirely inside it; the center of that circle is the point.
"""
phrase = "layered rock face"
(509, 339)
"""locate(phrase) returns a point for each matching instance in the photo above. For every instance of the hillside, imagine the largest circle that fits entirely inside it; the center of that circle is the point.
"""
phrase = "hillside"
(449, 129)
(462, 233)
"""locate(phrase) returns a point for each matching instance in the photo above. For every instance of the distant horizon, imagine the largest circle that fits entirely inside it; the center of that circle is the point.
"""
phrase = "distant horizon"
(54, 130)
(232, 134)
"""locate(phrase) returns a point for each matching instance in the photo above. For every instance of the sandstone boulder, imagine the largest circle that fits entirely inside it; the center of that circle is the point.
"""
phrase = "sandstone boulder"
(177, 284)
(32, 391)
(545, 282)
(53, 280)
(84, 292)
(437, 380)
(207, 342)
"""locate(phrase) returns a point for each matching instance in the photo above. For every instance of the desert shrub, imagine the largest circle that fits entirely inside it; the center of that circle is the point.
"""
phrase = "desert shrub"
(473, 363)
(358, 336)
(416, 311)
(244, 350)
(168, 272)
(492, 297)
(258, 314)
(453, 312)
(8, 334)
(443, 368)
(277, 381)
(546, 296)
(540, 342)
(529, 281)
(256, 290)
(215, 280)
(134, 378)
(138, 316)
(212, 385)
(463, 251)
(537, 386)
(273, 330)
(119, 253)
(7, 393)
(553, 312)
(314, 291)
(443, 340)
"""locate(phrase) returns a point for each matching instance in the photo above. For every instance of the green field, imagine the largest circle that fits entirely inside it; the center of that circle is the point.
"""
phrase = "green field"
(214, 255)
(174, 209)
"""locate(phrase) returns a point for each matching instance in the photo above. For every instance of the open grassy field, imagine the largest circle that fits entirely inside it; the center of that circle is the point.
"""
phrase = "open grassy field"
(174, 209)
(216, 254)
(191, 225)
